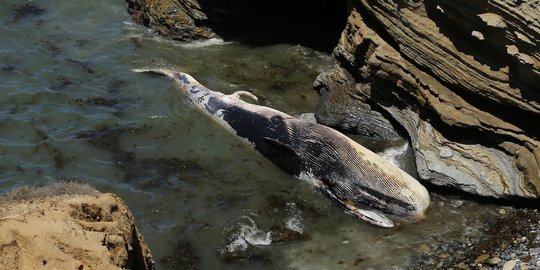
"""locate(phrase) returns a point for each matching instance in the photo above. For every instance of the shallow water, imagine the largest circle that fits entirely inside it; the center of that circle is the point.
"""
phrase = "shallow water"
(71, 108)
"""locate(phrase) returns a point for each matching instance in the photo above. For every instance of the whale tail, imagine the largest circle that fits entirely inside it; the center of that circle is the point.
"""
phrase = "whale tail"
(180, 77)
(169, 72)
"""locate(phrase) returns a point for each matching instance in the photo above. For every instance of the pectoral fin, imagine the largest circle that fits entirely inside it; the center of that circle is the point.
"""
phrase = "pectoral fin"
(284, 149)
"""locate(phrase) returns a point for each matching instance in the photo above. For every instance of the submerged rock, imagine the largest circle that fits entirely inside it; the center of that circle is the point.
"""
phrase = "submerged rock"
(503, 241)
(63, 225)
(469, 106)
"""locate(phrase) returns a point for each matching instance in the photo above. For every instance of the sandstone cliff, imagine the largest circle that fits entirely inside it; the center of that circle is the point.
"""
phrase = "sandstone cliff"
(460, 77)
(69, 226)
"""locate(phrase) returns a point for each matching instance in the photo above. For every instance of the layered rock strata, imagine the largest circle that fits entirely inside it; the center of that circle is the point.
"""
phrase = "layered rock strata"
(461, 77)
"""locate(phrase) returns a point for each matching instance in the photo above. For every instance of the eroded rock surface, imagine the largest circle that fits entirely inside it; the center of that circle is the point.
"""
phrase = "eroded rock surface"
(65, 231)
(180, 20)
(461, 77)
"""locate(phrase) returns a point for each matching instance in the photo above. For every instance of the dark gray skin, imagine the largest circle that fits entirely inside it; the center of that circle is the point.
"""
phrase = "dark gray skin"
(352, 176)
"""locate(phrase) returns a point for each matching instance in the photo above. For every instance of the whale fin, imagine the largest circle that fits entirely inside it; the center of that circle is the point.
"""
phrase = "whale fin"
(244, 94)
(164, 71)
(280, 147)
(281, 154)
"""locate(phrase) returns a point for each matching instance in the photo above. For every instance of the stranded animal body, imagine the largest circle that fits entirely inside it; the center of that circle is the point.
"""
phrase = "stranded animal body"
(360, 181)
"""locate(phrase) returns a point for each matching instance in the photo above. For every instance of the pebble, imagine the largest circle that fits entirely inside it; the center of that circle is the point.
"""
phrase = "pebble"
(424, 248)
(502, 211)
(481, 258)
(462, 265)
(509, 265)
(78, 265)
(494, 261)
(444, 255)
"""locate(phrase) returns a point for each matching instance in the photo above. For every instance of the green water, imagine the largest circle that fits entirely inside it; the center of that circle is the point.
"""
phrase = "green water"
(71, 108)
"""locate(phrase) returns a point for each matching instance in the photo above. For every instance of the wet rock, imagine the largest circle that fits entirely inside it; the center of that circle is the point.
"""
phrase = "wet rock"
(462, 265)
(282, 235)
(179, 20)
(509, 265)
(424, 249)
(494, 261)
(499, 243)
(416, 64)
(481, 258)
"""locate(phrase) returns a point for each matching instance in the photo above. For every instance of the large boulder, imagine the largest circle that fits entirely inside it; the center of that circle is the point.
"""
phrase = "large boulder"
(69, 226)
(460, 77)
(179, 20)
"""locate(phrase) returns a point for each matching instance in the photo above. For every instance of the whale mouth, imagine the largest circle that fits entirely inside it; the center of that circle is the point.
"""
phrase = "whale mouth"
(371, 216)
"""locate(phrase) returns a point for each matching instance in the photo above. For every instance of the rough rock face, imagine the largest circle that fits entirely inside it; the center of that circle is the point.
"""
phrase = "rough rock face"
(461, 77)
(67, 231)
(180, 20)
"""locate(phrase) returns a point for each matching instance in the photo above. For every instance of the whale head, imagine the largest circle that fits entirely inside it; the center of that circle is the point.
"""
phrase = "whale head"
(385, 187)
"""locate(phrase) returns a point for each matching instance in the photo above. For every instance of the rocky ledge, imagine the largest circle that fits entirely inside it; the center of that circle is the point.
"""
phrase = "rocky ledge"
(69, 226)
(459, 78)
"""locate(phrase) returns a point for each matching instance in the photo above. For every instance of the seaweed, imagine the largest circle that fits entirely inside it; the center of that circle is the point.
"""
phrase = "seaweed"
(26, 11)
(96, 101)
(85, 66)
(183, 256)
(61, 83)
(148, 171)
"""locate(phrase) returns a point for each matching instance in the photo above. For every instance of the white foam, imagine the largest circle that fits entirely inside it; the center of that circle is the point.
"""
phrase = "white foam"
(203, 43)
(308, 117)
(294, 221)
(237, 244)
(248, 234)
(392, 154)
